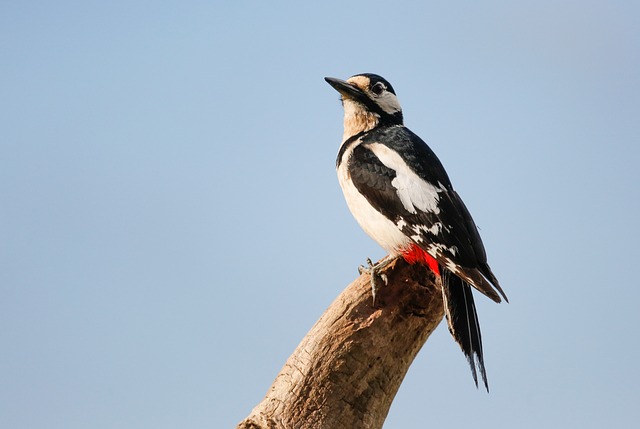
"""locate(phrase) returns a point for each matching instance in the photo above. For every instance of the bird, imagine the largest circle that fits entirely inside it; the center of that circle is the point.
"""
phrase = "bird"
(399, 192)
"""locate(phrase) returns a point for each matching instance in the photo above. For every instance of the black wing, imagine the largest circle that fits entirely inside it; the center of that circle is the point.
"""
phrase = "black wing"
(447, 231)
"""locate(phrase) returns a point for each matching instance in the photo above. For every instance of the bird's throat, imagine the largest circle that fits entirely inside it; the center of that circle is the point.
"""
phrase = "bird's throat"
(357, 119)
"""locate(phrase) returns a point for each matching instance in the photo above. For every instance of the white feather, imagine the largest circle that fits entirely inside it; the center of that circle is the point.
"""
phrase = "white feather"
(414, 192)
(389, 103)
(381, 229)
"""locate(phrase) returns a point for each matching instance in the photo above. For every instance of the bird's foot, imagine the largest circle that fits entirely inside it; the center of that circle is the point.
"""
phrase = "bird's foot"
(374, 270)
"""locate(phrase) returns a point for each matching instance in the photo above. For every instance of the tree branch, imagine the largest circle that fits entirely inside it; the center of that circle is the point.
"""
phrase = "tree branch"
(347, 370)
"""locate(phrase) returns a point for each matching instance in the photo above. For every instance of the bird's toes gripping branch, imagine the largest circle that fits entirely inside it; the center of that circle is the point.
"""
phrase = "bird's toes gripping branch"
(374, 270)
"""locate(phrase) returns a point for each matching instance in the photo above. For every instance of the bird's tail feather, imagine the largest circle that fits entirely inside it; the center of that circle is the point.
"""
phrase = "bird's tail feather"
(462, 319)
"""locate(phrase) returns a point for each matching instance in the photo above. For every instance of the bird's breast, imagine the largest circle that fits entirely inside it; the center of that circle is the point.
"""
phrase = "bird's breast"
(380, 228)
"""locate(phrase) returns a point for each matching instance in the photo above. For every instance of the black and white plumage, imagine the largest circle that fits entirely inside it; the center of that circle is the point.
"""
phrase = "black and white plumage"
(402, 197)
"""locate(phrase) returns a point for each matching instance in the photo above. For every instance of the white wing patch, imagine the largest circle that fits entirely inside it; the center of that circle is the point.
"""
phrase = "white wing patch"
(414, 193)
(436, 250)
(434, 229)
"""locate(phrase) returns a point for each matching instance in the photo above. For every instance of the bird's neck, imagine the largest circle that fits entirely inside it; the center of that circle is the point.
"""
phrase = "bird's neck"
(357, 120)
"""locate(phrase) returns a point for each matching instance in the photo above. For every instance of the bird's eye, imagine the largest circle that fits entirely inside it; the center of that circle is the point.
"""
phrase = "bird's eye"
(378, 88)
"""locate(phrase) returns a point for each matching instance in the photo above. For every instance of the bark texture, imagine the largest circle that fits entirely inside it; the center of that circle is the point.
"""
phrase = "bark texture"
(347, 370)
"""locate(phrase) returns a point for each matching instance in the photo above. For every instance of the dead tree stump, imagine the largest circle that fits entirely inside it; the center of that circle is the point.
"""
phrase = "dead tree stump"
(347, 370)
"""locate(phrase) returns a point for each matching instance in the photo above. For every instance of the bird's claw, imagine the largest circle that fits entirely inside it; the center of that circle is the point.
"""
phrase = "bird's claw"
(362, 269)
(374, 271)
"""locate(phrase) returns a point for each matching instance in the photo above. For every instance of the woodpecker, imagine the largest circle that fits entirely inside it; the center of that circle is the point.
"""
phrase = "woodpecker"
(400, 194)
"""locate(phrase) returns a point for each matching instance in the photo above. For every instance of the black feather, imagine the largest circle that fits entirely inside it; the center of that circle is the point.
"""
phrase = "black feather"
(459, 234)
(460, 311)
(453, 240)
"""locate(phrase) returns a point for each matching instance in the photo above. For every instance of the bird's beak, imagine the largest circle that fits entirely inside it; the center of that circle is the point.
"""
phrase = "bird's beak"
(345, 88)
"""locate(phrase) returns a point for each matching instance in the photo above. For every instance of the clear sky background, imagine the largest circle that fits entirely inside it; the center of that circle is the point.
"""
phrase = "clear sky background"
(171, 225)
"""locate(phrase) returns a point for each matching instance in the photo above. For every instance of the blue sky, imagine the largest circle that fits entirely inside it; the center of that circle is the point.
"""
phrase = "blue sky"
(171, 223)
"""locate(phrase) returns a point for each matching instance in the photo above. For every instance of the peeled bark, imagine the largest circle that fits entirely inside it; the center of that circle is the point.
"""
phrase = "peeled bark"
(347, 370)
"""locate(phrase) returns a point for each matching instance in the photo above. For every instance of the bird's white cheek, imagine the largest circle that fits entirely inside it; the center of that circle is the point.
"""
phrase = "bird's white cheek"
(389, 103)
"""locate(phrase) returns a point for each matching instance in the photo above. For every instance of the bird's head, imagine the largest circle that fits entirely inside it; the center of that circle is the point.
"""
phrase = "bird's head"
(369, 101)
